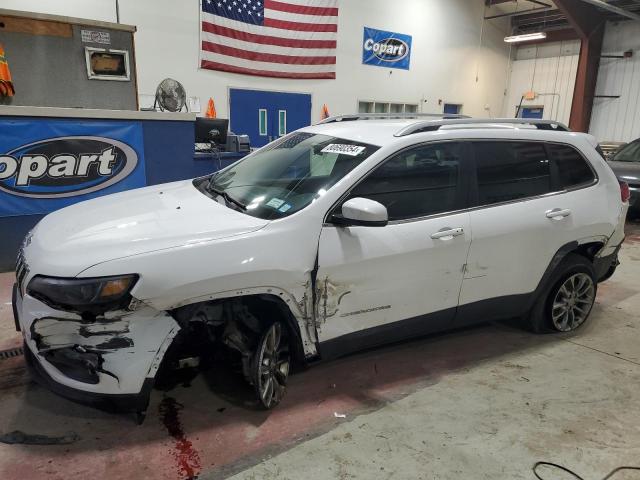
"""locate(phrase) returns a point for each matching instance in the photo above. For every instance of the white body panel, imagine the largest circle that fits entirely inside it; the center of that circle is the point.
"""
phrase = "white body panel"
(374, 276)
(133, 222)
(514, 243)
(188, 248)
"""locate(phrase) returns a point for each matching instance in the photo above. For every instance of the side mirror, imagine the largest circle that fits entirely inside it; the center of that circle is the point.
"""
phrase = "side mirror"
(362, 212)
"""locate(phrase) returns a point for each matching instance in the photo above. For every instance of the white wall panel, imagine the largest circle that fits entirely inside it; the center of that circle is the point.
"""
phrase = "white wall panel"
(618, 119)
(550, 71)
(446, 62)
(102, 10)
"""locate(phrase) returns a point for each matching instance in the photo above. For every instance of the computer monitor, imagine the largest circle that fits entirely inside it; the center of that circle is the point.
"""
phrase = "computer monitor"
(204, 126)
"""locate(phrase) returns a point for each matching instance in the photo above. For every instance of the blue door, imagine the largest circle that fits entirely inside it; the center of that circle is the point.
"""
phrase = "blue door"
(532, 112)
(265, 116)
(451, 108)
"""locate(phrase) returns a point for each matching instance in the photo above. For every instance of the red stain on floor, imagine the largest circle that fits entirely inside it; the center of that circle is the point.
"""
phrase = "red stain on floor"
(611, 293)
(633, 238)
(187, 458)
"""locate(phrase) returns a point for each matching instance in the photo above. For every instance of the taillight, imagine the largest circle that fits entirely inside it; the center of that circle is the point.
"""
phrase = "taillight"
(624, 191)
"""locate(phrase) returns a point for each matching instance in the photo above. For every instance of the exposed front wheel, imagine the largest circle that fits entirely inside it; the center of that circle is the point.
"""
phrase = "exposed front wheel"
(270, 366)
(566, 305)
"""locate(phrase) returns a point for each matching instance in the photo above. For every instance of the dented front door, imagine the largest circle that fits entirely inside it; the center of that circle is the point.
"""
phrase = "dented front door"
(369, 278)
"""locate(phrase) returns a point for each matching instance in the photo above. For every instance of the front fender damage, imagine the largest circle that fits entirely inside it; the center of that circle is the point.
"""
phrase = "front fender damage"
(329, 297)
(298, 298)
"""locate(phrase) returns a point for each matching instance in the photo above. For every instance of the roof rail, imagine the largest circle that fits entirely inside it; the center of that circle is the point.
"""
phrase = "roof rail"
(389, 116)
(436, 124)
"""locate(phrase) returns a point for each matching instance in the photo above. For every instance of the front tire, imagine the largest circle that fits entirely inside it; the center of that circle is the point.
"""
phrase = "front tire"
(566, 305)
(271, 365)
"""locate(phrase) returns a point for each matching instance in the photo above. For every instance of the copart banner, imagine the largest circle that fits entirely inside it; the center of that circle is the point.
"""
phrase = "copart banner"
(49, 164)
(386, 49)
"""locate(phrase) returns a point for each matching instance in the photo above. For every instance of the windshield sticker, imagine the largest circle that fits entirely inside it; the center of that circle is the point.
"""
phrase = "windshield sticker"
(284, 208)
(351, 150)
(275, 203)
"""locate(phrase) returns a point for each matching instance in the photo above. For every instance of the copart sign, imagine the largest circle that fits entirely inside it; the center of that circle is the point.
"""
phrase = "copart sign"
(88, 160)
(386, 49)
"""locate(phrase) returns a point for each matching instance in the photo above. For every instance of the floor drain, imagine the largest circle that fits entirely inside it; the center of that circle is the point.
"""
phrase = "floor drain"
(12, 352)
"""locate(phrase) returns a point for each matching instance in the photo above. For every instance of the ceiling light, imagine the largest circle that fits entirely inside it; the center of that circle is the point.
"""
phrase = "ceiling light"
(526, 37)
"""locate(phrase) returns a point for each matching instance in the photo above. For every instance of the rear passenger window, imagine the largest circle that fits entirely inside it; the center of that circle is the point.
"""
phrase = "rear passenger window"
(417, 182)
(572, 169)
(511, 170)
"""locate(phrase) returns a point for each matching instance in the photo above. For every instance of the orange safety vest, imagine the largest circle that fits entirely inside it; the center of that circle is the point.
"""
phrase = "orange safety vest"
(6, 86)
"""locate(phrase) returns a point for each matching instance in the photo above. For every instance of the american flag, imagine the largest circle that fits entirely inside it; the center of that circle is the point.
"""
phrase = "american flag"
(270, 38)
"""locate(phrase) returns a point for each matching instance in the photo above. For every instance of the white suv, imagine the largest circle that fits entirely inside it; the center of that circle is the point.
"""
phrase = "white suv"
(337, 237)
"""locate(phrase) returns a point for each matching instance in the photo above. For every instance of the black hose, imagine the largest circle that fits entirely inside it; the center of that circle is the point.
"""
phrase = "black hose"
(575, 475)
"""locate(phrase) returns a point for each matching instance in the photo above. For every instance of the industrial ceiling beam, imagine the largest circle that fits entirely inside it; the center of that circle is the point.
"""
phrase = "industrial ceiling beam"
(589, 22)
(542, 4)
(613, 9)
(596, 3)
(551, 20)
(553, 14)
(517, 14)
(490, 3)
(583, 17)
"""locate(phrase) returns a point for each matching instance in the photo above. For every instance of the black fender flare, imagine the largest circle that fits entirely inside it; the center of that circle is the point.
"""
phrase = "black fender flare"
(548, 275)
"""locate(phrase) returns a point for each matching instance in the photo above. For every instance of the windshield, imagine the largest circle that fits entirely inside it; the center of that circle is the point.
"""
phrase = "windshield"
(286, 176)
(629, 153)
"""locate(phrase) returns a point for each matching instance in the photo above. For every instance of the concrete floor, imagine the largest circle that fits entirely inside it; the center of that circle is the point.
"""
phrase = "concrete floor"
(484, 403)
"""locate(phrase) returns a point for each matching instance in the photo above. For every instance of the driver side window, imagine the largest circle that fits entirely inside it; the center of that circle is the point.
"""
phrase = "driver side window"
(417, 182)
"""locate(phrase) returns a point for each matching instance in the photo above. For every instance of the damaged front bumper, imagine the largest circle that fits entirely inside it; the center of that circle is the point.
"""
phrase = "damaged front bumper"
(121, 402)
(109, 361)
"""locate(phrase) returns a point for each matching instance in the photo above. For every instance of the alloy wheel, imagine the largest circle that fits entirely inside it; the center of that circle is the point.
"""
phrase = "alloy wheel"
(272, 364)
(572, 302)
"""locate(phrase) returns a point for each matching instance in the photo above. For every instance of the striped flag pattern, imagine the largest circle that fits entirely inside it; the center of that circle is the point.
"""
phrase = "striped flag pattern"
(270, 38)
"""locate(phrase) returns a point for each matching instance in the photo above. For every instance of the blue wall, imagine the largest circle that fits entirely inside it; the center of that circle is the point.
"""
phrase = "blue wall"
(168, 150)
(12, 231)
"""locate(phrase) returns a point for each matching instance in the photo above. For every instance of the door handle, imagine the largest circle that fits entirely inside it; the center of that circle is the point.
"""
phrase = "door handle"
(558, 213)
(447, 233)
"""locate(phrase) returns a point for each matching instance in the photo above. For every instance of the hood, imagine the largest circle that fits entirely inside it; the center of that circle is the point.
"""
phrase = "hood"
(626, 171)
(129, 223)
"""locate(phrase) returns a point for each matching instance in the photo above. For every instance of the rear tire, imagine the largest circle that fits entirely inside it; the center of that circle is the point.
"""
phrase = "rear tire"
(567, 303)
